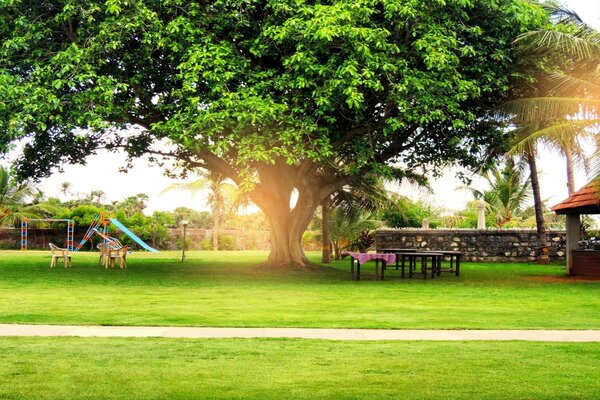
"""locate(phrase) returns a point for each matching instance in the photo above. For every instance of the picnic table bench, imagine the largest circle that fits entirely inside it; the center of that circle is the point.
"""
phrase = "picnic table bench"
(436, 258)
(361, 258)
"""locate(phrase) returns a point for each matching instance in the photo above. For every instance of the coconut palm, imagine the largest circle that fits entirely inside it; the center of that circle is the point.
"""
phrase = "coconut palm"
(96, 197)
(16, 199)
(344, 229)
(566, 111)
(569, 104)
(509, 191)
(366, 194)
(65, 189)
(222, 197)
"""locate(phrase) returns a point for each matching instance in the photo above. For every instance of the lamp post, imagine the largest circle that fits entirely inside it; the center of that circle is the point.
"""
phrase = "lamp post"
(185, 224)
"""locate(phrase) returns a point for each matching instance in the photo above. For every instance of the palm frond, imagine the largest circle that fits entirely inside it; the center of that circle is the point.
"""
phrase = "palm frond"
(584, 84)
(193, 187)
(583, 44)
(558, 133)
(562, 14)
(526, 111)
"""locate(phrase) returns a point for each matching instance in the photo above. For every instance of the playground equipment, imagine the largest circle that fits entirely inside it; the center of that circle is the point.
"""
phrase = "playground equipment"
(98, 226)
(25, 229)
(132, 235)
(99, 222)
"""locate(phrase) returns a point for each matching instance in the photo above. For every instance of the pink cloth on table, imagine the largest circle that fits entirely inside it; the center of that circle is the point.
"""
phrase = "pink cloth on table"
(364, 257)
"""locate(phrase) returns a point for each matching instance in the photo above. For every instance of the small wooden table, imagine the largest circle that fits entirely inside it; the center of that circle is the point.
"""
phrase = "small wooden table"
(413, 256)
(454, 255)
(361, 258)
(401, 255)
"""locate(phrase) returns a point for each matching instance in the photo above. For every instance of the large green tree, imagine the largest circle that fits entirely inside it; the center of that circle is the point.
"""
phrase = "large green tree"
(281, 97)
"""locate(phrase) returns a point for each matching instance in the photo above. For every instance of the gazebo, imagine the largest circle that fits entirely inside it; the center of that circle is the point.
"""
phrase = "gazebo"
(584, 201)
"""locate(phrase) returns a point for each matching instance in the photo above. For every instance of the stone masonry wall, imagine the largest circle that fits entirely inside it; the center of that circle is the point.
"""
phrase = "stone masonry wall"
(10, 238)
(477, 245)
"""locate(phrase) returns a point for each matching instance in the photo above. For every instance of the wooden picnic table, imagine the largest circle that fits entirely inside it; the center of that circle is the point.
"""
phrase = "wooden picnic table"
(401, 255)
(412, 254)
(424, 256)
(361, 258)
(454, 255)
(396, 250)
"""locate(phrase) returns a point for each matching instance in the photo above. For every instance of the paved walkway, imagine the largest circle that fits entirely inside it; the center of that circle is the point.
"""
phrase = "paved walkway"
(304, 333)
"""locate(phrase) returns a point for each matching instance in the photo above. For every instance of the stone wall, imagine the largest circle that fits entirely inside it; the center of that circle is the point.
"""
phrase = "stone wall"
(10, 238)
(198, 239)
(201, 239)
(477, 245)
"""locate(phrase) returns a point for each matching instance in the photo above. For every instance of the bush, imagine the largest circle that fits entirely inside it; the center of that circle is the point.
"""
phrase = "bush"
(311, 240)
(227, 242)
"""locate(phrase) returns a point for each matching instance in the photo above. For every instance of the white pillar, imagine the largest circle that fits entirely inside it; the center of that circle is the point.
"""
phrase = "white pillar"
(425, 223)
(573, 238)
(481, 214)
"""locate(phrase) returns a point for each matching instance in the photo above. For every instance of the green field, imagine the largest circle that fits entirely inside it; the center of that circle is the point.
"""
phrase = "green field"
(117, 368)
(226, 289)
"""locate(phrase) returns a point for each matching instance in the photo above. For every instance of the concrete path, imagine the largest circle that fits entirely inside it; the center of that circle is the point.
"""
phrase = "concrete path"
(304, 333)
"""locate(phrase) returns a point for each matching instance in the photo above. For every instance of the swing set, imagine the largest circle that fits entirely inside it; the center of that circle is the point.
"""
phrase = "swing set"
(99, 222)
(25, 230)
(99, 226)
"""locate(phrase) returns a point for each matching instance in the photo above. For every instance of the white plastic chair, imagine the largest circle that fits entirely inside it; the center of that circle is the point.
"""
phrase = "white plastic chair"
(59, 253)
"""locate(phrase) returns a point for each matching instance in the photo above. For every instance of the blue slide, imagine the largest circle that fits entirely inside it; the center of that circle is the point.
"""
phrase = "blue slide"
(133, 235)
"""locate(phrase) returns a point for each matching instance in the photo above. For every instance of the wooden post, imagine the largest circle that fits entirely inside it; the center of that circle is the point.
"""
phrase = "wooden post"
(573, 238)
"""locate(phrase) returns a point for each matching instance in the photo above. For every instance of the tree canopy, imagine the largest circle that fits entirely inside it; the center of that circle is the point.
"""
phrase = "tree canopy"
(279, 96)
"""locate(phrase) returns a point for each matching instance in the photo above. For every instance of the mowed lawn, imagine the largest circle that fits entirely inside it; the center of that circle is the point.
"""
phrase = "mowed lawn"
(119, 368)
(226, 289)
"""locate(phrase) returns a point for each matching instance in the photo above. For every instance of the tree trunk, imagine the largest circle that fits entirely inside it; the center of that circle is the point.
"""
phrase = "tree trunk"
(326, 239)
(286, 246)
(539, 212)
(570, 174)
(287, 223)
(215, 230)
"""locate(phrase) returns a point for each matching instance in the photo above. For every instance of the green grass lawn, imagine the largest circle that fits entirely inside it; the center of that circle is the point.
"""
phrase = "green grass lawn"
(225, 289)
(118, 368)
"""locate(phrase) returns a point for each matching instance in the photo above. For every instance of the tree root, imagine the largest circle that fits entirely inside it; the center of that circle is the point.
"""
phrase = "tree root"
(308, 266)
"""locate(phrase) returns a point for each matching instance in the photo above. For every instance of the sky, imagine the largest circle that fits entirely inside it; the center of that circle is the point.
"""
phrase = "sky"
(101, 171)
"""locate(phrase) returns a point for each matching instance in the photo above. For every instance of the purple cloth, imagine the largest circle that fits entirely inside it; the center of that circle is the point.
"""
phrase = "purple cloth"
(364, 257)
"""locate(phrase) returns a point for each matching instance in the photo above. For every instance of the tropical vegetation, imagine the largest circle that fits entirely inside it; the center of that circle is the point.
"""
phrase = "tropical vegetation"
(568, 94)
(20, 199)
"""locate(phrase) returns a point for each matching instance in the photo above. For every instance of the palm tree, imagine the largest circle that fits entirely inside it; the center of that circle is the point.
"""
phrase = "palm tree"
(346, 228)
(16, 198)
(223, 197)
(364, 194)
(96, 197)
(65, 189)
(568, 110)
(570, 103)
(509, 191)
